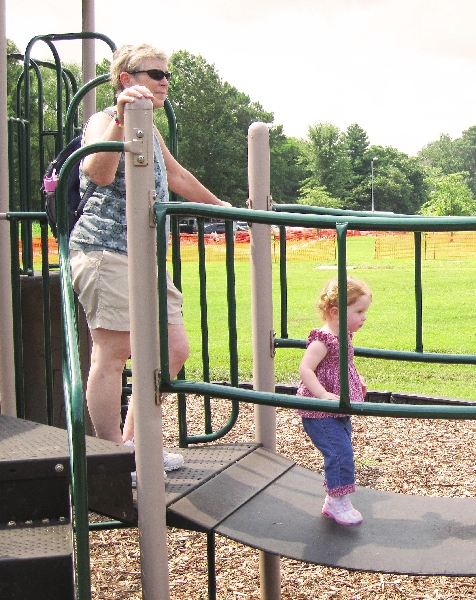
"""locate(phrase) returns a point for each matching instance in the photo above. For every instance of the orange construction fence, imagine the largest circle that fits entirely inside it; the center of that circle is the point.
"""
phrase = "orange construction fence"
(315, 244)
(436, 245)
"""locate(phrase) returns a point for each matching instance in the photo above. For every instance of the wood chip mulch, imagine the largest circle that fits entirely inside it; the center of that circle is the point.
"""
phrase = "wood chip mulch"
(424, 457)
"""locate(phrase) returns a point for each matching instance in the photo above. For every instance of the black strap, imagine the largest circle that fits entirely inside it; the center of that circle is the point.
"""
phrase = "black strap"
(92, 186)
(85, 197)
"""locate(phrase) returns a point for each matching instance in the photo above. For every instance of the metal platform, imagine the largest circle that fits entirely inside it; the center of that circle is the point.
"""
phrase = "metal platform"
(32, 451)
(265, 501)
(260, 499)
(36, 561)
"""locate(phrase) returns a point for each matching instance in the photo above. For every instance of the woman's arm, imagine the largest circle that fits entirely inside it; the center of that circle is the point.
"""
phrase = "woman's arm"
(101, 167)
(183, 183)
(315, 353)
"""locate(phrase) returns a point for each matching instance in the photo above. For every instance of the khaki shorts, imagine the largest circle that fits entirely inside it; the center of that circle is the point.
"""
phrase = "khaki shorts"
(101, 281)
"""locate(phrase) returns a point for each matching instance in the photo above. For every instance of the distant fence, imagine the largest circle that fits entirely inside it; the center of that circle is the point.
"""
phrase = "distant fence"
(315, 244)
(52, 250)
(438, 245)
(301, 245)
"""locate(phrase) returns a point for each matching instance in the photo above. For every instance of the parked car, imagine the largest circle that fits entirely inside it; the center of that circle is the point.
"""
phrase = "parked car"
(241, 226)
(214, 228)
(188, 226)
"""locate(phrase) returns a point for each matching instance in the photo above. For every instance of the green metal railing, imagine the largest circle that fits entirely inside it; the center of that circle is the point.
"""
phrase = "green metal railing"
(72, 379)
(342, 222)
(208, 435)
(24, 186)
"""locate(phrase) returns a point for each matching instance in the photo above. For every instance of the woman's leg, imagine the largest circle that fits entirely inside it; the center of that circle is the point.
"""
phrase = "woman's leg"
(110, 351)
(179, 351)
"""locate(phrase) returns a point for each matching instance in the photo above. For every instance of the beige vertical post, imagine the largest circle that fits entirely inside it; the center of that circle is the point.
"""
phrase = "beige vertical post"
(141, 240)
(262, 322)
(7, 379)
(89, 60)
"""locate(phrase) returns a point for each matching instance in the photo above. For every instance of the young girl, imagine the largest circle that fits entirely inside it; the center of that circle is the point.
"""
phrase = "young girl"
(319, 371)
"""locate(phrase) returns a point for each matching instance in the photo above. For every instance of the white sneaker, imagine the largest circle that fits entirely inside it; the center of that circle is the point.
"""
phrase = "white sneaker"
(134, 478)
(341, 510)
(130, 443)
(172, 462)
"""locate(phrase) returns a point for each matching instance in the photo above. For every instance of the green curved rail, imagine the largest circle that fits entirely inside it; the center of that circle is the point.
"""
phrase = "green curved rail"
(72, 380)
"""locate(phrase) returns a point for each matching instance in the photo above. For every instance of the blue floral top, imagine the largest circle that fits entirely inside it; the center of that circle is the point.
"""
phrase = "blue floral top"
(102, 226)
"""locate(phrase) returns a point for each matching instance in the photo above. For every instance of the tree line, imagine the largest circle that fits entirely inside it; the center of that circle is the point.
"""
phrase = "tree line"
(331, 168)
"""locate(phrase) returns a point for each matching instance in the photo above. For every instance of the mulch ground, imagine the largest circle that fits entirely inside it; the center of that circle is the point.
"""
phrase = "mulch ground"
(424, 457)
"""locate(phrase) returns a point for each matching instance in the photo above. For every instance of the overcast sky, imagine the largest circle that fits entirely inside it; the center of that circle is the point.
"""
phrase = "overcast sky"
(404, 70)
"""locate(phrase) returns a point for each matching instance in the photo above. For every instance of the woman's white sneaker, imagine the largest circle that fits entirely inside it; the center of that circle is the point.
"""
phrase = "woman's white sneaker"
(172, 462)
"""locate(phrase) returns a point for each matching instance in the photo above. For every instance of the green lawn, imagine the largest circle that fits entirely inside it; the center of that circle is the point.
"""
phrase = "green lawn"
(448, 322)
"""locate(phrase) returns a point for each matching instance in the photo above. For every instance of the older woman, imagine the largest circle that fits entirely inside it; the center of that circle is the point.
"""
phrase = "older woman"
(98, 242)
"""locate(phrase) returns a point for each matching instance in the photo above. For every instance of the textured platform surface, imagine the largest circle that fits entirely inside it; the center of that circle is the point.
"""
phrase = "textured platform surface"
(33, 450)
(267, 502)
(400, 533)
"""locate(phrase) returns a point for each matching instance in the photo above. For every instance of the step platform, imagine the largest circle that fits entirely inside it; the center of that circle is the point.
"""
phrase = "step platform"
(36, 536)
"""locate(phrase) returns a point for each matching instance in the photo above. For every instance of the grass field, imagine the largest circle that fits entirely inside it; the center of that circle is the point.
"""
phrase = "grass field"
(448, 321)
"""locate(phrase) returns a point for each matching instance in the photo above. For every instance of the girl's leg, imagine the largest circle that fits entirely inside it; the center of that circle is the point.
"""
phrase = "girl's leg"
(110, 351)
(333, 438)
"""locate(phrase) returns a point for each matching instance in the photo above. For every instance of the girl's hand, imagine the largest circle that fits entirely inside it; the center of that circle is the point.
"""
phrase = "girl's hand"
(364, 386)
(330, 396)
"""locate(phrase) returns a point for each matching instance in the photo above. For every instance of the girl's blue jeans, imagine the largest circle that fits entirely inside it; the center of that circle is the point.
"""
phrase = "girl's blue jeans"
(333, 437)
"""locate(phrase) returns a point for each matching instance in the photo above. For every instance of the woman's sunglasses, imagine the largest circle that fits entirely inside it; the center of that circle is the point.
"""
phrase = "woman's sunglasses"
(156, 74)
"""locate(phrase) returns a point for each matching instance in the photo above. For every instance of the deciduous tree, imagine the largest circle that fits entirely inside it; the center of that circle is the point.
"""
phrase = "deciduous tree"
(450, 196)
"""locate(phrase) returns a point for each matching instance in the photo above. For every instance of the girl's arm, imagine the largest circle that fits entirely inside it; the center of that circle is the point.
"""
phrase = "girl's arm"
(183, 183)
(314, 354)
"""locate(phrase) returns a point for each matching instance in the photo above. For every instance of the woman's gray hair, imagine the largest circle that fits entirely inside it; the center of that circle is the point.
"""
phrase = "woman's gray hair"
(129, 58)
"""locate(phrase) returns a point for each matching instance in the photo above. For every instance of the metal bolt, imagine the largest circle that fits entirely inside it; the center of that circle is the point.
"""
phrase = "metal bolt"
(139, 133)
(59, 468)
(140, 159)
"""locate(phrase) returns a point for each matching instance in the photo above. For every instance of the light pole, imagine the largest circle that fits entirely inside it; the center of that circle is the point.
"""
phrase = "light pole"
(372, 180)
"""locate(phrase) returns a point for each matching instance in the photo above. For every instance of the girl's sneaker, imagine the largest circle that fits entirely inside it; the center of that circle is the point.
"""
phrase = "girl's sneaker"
(341, 510)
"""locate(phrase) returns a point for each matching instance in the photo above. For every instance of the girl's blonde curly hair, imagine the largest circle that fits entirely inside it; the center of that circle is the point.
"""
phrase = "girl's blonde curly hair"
(330, 295)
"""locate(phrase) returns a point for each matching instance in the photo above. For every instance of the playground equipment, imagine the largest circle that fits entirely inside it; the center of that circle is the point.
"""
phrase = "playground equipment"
(242, 491)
